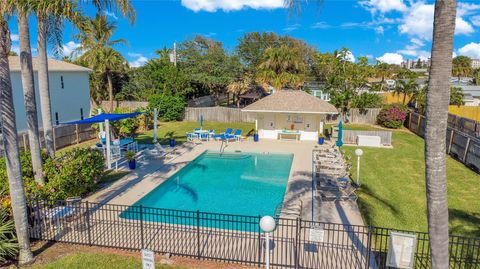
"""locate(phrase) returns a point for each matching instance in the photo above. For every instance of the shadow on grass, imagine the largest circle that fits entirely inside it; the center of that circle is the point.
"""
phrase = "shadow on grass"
(365, 207)
(469, 223)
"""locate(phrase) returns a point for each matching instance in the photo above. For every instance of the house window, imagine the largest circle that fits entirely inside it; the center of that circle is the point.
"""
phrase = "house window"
(61, 82)
(294, 119)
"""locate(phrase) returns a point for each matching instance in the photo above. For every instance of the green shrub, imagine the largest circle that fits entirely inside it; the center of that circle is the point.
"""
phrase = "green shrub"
(126, 127)
(75, 174)
(8, 242)
(367, 100)
(31, 187)
(170, 107)
(391, 117)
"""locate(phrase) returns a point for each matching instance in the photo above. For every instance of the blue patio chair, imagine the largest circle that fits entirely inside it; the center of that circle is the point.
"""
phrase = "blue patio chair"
(237, 135)
(204, 136)
(224, 135)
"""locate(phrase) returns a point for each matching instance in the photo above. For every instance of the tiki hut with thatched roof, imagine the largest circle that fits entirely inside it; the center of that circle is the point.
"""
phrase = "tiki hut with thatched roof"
(290, 114)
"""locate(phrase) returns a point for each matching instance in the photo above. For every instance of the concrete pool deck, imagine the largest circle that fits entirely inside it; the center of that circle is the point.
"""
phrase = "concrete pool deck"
(153, 172)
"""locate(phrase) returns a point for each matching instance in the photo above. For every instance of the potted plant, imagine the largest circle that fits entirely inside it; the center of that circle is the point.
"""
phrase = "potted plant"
(321, 139)
(171, 138)
(255, 136)
(132, 163)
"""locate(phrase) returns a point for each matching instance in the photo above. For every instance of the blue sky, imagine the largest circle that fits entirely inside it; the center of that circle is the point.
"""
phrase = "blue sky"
(388, 30)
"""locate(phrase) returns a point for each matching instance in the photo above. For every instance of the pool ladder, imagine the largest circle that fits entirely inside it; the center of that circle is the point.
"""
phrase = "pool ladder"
(223, 146)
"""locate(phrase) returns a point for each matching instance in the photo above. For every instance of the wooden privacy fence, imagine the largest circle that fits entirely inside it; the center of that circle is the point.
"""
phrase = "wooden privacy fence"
(463, 146)
(368, 116)
(350, 136)
(64, 135)
(229, 114)
(218, 113)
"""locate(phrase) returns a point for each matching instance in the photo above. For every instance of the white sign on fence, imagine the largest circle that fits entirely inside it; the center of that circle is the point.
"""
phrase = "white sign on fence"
(316, 234)
(401, 250)
(148, 259)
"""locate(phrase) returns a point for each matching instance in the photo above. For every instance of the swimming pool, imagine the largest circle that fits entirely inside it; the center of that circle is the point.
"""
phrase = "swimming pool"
(238, 183)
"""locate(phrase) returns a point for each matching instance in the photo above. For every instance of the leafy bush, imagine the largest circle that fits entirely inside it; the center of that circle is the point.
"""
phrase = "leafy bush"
(367, 100)
(8, 242)
(170, 107)
(126, 127)
(391, 117)
(31, 187)
(75, 174)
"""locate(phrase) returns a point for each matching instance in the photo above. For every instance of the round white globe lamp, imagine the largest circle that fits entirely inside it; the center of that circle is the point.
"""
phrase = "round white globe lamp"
(267, 224)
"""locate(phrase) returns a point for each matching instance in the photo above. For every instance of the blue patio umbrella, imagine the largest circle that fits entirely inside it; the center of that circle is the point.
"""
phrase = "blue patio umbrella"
(339, 139)
(201, 121)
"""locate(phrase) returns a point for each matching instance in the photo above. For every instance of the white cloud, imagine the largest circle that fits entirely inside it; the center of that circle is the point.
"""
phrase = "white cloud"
(418, 20)
(379, 30)
(471, 50)
(14, 37)
(384, 6)
(231, 5)
(321, 25)
(466, 9)
(391, 58)
(348, 56)
(139, 59)
(462, 27)
(475, 20)
(69, 48)
(291, 28)
(110, 14)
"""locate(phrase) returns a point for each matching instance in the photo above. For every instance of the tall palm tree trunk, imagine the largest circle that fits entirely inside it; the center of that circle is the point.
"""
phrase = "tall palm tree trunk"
(29, 93)
(43, 86)
(110, 91)
(10, 144)
(437, 100)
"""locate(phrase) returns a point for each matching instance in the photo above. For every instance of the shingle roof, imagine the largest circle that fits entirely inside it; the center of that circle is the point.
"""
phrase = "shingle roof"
(53, 65)
(292, 101)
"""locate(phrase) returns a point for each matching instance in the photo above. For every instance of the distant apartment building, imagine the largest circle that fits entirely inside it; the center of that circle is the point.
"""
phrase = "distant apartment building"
(475, 63)
(415, 64)
(69, 91)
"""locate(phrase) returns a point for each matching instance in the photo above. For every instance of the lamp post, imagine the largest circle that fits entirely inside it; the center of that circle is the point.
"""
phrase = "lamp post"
(267, 224)
(155, 125)
(358, 152)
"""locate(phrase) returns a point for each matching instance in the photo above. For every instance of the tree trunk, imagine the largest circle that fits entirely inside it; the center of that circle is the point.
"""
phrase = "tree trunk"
(10, 144)
(29, 93)
(437, 100)
(43, 85)
(110, 91)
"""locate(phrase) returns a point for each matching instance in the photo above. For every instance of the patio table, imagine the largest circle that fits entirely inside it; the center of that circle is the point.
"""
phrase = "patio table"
(287, 133)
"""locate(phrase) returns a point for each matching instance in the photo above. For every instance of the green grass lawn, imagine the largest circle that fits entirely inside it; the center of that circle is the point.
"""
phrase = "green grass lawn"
(97, 261)
(182, 127)
(393, 187)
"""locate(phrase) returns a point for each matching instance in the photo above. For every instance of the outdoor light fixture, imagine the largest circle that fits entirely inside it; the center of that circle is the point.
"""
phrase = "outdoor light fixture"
(267, 224)
(358, 152)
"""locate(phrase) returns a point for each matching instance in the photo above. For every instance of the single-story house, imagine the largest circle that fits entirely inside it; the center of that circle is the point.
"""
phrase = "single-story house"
(69, 91)
(290, 113)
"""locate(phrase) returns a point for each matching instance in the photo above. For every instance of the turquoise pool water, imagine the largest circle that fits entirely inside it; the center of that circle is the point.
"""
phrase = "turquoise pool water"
(248, 184)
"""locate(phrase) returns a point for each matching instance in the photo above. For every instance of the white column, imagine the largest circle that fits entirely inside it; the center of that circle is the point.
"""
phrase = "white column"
(107, 138)
(256, 125)
(100, 125)
(155, 125)
(358, 170)
(267, 250)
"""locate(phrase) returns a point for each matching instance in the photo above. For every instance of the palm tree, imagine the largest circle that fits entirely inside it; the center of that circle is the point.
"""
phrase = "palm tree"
(23, 8)
(96, 40)
(282, 67)
(51, 13)
(10, 143)
(437, 101)
(406, 88)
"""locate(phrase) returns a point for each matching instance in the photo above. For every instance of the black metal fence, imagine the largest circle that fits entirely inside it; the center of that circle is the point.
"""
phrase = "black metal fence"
(230, 238)
(462, 141)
